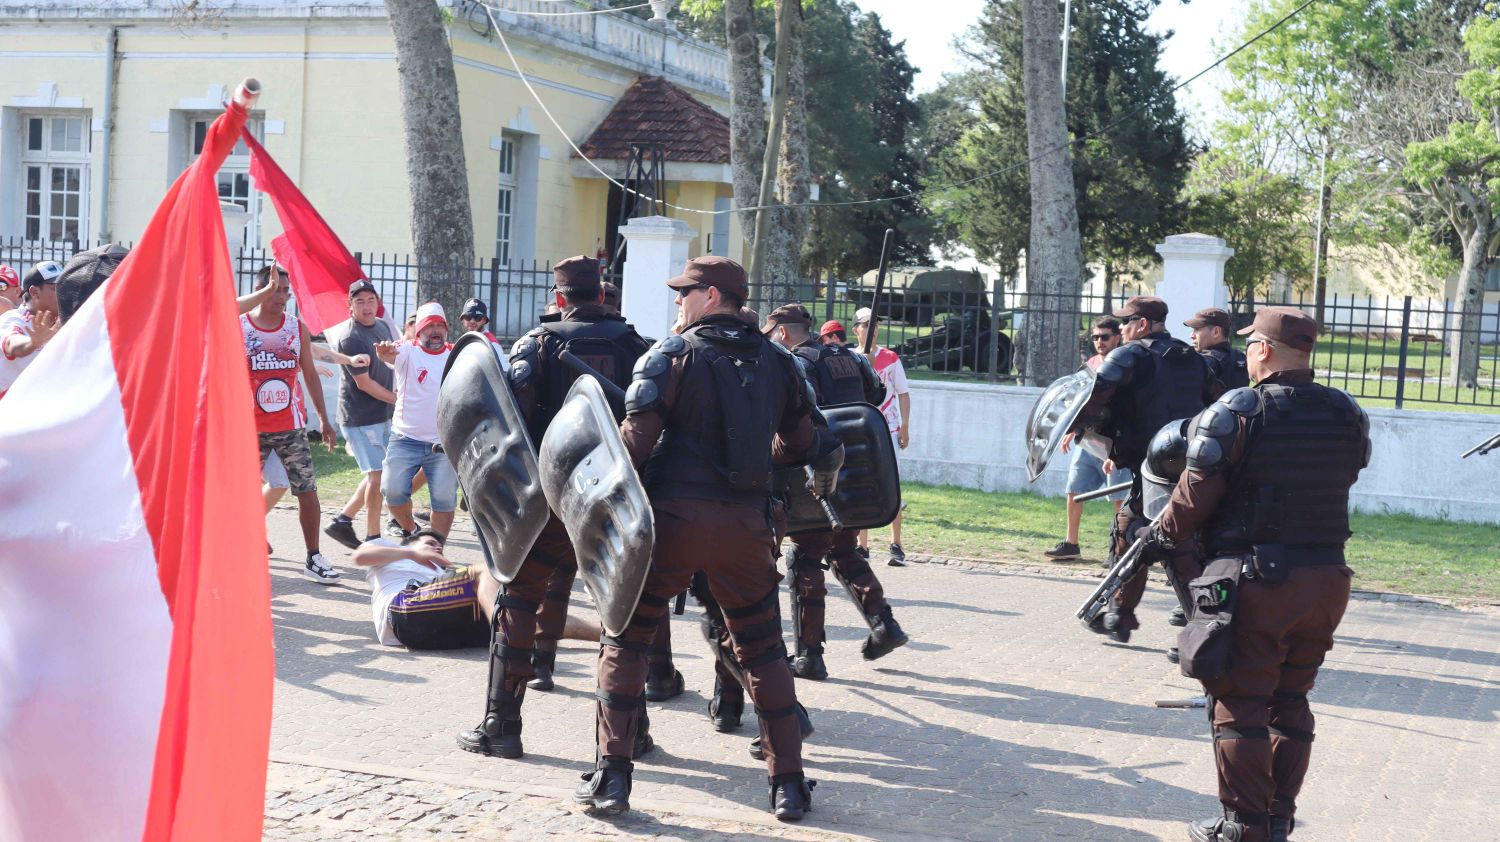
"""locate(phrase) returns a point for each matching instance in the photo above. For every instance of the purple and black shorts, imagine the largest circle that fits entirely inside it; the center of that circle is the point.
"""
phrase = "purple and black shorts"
(441, 614)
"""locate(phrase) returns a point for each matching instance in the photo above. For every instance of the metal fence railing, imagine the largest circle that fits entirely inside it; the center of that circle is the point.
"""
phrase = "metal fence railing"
(1397, 349)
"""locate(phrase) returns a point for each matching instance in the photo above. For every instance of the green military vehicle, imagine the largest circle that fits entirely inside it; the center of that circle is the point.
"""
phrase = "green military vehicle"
(954, 303)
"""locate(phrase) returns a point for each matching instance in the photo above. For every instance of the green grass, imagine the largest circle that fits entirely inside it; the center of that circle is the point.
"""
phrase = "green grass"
(337, 473)
(1389, 552)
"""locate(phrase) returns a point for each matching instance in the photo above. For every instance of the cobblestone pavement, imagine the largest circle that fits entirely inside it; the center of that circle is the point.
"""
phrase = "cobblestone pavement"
(1002, 720)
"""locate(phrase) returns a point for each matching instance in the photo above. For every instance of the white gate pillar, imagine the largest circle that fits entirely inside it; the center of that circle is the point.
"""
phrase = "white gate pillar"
(1192, 278)
(656, 250)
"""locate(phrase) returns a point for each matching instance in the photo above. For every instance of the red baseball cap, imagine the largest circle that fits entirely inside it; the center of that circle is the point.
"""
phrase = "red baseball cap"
(832, 326)
(8, 277)
(431, 313)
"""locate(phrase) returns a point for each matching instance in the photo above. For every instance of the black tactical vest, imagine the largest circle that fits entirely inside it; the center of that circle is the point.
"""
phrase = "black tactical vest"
(607, 344)
(735, 387)
(1169, 384)
(1304, 450)
(837, 372)
(1228, 365)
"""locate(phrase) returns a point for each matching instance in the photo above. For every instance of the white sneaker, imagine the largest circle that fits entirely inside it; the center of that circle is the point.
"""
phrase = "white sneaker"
(319, 570)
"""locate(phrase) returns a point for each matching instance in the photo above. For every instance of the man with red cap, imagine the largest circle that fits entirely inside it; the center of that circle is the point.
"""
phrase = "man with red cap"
(1265, 501)
(419, 365)
(832, 333)
(1211, 338)
(838, 375)
(1150, 380)
(710, 410)
(10, 289)
(525, 639)
(26, 329)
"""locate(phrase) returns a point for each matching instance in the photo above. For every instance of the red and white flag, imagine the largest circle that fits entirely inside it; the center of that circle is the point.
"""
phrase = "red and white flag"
(320, 268)
(135, 633)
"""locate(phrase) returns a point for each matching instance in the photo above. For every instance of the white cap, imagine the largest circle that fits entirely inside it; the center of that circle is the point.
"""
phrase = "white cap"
(862, 315)
(429, 313)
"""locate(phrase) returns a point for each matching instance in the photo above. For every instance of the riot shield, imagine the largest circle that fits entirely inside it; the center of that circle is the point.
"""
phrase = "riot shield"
(485, 438)
(594, 489)
(1052, 415)
(868, 495)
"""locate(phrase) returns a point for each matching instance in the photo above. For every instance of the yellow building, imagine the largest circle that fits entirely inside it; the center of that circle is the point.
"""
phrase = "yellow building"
(103, 104)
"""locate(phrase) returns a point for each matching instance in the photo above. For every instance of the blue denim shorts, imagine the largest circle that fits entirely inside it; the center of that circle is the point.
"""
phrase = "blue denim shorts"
(368, 443)
(403, 458)
(1086, 473)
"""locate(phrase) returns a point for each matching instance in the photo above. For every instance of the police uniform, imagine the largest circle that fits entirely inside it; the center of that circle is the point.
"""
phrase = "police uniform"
(1265, 496)
(540, 382)
(1225, 363)
(708, 412)
(1141, 386)
(838, 375)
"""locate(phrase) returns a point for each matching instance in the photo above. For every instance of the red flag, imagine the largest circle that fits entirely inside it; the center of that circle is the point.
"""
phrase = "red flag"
(321, 269)
(136, 665)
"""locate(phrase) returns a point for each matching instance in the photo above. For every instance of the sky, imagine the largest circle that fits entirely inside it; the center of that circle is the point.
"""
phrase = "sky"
(1201, 29)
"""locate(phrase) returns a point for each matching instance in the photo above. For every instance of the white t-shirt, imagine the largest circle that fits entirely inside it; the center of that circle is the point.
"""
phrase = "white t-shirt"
(16, 322)
(893, 376)
(419, 372)
(388, 580)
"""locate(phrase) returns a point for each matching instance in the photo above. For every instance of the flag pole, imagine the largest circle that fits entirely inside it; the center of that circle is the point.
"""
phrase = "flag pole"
(247, 93)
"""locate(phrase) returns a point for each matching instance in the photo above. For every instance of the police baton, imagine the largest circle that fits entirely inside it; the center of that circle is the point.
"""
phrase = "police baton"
(834, 521)
(1483, 447)
(1102, 492)
(885, 256)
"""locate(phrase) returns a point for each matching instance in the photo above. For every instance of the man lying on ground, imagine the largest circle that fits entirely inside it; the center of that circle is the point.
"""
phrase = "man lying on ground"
(421, 600)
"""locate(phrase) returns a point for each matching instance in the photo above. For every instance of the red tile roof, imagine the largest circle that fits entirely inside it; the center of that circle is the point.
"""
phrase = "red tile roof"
(656, 112)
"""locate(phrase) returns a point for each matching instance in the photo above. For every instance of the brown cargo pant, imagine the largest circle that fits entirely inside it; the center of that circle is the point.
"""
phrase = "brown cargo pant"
(1263, 727)
(1181, 569)
(840, 548)
(516, 618)
(733, 544)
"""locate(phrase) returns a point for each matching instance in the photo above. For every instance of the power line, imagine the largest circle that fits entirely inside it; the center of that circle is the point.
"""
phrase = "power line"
(565, 14)
(489, 10)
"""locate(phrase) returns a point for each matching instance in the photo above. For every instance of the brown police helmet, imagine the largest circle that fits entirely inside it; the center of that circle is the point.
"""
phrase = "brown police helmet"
(1285, 325)
(1209, 316)
(1148, 307)
(787, 314)
(713, 271)
(577, 274)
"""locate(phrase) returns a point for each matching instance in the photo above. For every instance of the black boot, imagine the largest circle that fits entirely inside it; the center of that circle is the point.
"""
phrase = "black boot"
(791, 796)
(663, 682)
(643, 742)
(1177, 618)
(885, 635)
(1114, 626)
(543, 660)
(1233, 827)
(499, 735)
(804, 724)
(1173, 656)
(809, 663)
(606, 789)
(1281, 828)
(726, 707)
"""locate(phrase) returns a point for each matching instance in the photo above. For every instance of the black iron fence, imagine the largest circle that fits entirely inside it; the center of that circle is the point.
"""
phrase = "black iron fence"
(1394, 350)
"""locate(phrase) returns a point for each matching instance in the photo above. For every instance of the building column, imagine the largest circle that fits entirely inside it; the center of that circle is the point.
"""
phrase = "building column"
(656, 250)
(1192, 278)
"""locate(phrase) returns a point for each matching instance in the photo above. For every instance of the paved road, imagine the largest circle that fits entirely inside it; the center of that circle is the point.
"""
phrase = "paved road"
(1002, 720)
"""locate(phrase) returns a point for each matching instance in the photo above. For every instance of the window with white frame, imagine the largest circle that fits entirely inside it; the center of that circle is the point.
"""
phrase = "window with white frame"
(234, 174)
(55, 176)
(505, 209)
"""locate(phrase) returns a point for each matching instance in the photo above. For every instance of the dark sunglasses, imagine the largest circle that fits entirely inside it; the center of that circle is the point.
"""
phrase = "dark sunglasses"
(1269, 343)
(1128, 319)
(683, 291)
(1101, 337)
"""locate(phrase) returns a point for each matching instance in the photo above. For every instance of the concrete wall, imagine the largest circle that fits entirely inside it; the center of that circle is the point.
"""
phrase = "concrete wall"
(971, 435)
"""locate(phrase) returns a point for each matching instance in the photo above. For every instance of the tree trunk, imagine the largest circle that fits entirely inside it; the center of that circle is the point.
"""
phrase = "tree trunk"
(1464, 349)
(788, 229)
(747, 109)
(442, 226)
(1054, 255)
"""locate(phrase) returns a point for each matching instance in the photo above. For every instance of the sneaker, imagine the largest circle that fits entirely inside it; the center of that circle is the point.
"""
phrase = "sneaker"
(864, 552)
(319, 570)
(393, 530)
(898, 556)
(1177, 618)
(425, 517)
(342, 530)
(1062, 552)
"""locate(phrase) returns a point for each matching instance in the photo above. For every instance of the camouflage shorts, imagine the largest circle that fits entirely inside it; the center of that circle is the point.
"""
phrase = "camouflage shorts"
(292, 449)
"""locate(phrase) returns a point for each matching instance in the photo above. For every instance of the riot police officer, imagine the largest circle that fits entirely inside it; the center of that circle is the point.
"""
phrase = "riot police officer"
(540, 381)
(1211, 338)
(1266, 498)
(1146, 382)
(709, 411)
(839, 375)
